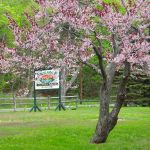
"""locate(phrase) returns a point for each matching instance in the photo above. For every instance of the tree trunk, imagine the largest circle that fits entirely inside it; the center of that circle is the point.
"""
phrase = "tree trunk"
(107, 121)
(81, 83)
(121, 95)
(63, 83)
(102, 128)
(101, 132)
(66, 85)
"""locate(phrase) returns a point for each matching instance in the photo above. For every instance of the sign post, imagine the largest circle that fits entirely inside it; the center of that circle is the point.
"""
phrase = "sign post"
(60, 104)
(35, 107)
(47, 80)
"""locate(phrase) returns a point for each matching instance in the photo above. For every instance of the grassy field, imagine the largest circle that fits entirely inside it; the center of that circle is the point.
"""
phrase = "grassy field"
(72, 130)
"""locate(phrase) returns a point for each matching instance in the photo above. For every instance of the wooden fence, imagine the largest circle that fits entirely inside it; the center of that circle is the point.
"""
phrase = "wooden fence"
(26, 103)
(71, 102)
(44, 102)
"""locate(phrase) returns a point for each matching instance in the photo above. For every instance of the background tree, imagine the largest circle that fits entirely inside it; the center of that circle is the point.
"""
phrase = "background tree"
(31, 43)
(15, 9)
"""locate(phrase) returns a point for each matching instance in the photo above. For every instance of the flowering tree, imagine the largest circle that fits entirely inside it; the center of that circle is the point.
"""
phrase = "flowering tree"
(37, 47)
(117, 34)
(130, 51)
(15, 9)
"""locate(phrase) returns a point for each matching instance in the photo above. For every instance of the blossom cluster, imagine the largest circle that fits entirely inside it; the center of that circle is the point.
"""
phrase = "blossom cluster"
(43, 44)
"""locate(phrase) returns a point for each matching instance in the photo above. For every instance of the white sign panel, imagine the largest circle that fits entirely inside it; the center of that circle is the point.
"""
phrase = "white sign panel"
(47, 79)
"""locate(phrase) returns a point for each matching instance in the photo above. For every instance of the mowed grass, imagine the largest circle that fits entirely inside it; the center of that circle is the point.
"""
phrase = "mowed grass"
(72, 130)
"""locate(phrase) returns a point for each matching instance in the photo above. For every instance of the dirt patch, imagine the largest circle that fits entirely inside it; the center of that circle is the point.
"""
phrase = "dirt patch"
(6, 134)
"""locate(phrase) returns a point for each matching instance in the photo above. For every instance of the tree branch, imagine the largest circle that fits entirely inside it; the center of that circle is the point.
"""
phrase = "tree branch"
(72, 79)
(115, 48)
(124, 5)
(93, 67)
(101, 65)
(98, 52)
(121, 91)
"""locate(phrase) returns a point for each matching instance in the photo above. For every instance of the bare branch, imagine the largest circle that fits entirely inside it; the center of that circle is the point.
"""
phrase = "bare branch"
(146, 25)
(115, 48)
(93, 67)
(72, 79)
(124, 5)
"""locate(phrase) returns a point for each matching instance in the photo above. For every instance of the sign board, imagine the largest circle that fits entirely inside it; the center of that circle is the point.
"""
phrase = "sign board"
(47, 79)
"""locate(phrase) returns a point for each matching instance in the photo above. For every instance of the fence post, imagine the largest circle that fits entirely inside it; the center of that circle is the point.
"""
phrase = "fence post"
(77, 101)
(49, 104)
(14, 102)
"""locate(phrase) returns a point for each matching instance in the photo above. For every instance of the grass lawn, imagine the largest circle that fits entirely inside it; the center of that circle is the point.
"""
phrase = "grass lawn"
(72, 130)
